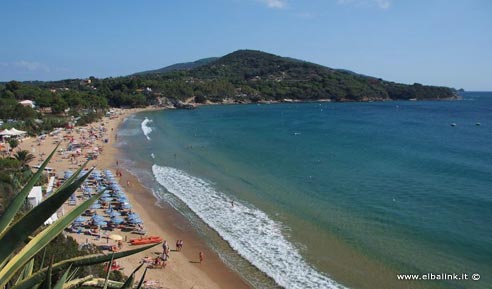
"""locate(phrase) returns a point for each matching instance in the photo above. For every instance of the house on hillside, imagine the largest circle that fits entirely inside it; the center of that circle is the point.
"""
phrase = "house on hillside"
(27, 102)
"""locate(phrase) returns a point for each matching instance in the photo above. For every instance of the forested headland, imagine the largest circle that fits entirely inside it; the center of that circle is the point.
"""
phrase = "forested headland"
(244, 76)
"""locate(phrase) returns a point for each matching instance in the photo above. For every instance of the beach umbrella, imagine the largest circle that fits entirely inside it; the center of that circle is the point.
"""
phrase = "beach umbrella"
(106, 199)
(100, 223)
(95, 206)
(131, 218)
(115, 237)
(117, 220)
(110, 209)
(114, 214)
(79, 219)
(97, 217)
(136, 221)
(67, 174)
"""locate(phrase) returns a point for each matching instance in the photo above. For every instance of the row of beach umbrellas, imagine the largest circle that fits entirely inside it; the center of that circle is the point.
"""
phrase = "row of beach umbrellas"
(116, 193)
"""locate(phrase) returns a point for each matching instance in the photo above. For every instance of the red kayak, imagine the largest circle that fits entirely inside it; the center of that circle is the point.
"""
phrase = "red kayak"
(146, 240)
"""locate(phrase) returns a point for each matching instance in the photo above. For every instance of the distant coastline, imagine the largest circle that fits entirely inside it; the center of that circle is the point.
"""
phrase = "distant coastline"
(192, 105)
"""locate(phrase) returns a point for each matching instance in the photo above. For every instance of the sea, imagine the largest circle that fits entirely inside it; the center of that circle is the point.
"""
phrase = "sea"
(329, 195)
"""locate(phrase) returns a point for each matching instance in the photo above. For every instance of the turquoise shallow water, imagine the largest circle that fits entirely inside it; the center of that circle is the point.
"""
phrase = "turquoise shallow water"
(391, 184)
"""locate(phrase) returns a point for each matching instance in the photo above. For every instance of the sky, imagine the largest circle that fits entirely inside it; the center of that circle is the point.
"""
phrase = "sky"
(436, 42)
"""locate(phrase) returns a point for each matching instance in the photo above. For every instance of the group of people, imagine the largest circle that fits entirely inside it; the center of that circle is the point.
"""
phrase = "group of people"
(166, 249)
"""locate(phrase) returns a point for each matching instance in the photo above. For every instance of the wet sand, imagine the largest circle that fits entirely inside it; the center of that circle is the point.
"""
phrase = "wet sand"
(183, 269)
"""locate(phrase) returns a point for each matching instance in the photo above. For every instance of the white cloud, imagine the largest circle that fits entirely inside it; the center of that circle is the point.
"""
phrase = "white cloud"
(31, 66)
(277, 4)
(383, 4)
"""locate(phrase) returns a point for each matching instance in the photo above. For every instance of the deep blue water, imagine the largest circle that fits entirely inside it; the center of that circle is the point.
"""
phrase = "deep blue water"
(392, 184)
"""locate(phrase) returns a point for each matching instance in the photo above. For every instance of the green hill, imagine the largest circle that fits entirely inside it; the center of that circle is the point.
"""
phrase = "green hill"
(243, 76)
(249, 75)
(179, 66)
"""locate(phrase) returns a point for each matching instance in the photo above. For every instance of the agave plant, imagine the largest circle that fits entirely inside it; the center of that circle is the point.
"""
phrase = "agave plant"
(19, 242)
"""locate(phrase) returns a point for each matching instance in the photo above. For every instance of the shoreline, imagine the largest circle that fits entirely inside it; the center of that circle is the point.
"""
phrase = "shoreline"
(176, 227)
(183, 269)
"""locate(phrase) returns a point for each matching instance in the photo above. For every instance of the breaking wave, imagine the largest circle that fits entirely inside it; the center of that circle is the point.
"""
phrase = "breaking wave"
(248, 230)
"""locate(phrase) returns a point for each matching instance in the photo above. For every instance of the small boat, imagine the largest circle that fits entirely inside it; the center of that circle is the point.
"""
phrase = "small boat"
(453, 124)
(477, 124)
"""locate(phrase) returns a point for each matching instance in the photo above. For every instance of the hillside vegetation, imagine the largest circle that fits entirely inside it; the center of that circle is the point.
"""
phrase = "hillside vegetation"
(243, 76)
(253, 75)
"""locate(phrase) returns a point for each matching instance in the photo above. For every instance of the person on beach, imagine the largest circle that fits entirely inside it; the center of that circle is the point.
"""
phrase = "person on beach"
(180, 245)
(201, 256)
(177, 245)
(165, 247)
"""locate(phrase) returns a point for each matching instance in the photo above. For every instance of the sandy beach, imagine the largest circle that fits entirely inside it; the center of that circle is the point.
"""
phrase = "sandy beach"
(183, 268)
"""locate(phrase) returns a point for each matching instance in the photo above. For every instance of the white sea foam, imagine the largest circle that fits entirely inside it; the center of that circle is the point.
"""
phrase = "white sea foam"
(247, 229)
(146, 128)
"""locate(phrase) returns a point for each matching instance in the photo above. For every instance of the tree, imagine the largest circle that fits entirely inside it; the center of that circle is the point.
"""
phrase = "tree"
(24, 157)
(13, 143)
(12, 85)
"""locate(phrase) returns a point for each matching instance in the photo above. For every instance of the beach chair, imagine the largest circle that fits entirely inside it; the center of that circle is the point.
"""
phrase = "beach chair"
(152, 284)
(93, 233)
(154, 266)
(139, 232)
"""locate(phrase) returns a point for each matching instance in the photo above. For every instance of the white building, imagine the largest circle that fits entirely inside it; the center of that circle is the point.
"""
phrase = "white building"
(27, 102)
(35, 196)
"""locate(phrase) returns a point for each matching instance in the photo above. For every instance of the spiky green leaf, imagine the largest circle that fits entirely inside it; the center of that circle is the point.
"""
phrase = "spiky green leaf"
(77, 262)
(129, 282)
(109, 271)
(75, 283)
(73, 177)
(47, 279)
(26, 272)
(42, 258)
(20, 230)
(41, 240)
(63, 279)
(142, 279)
(18, 201)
